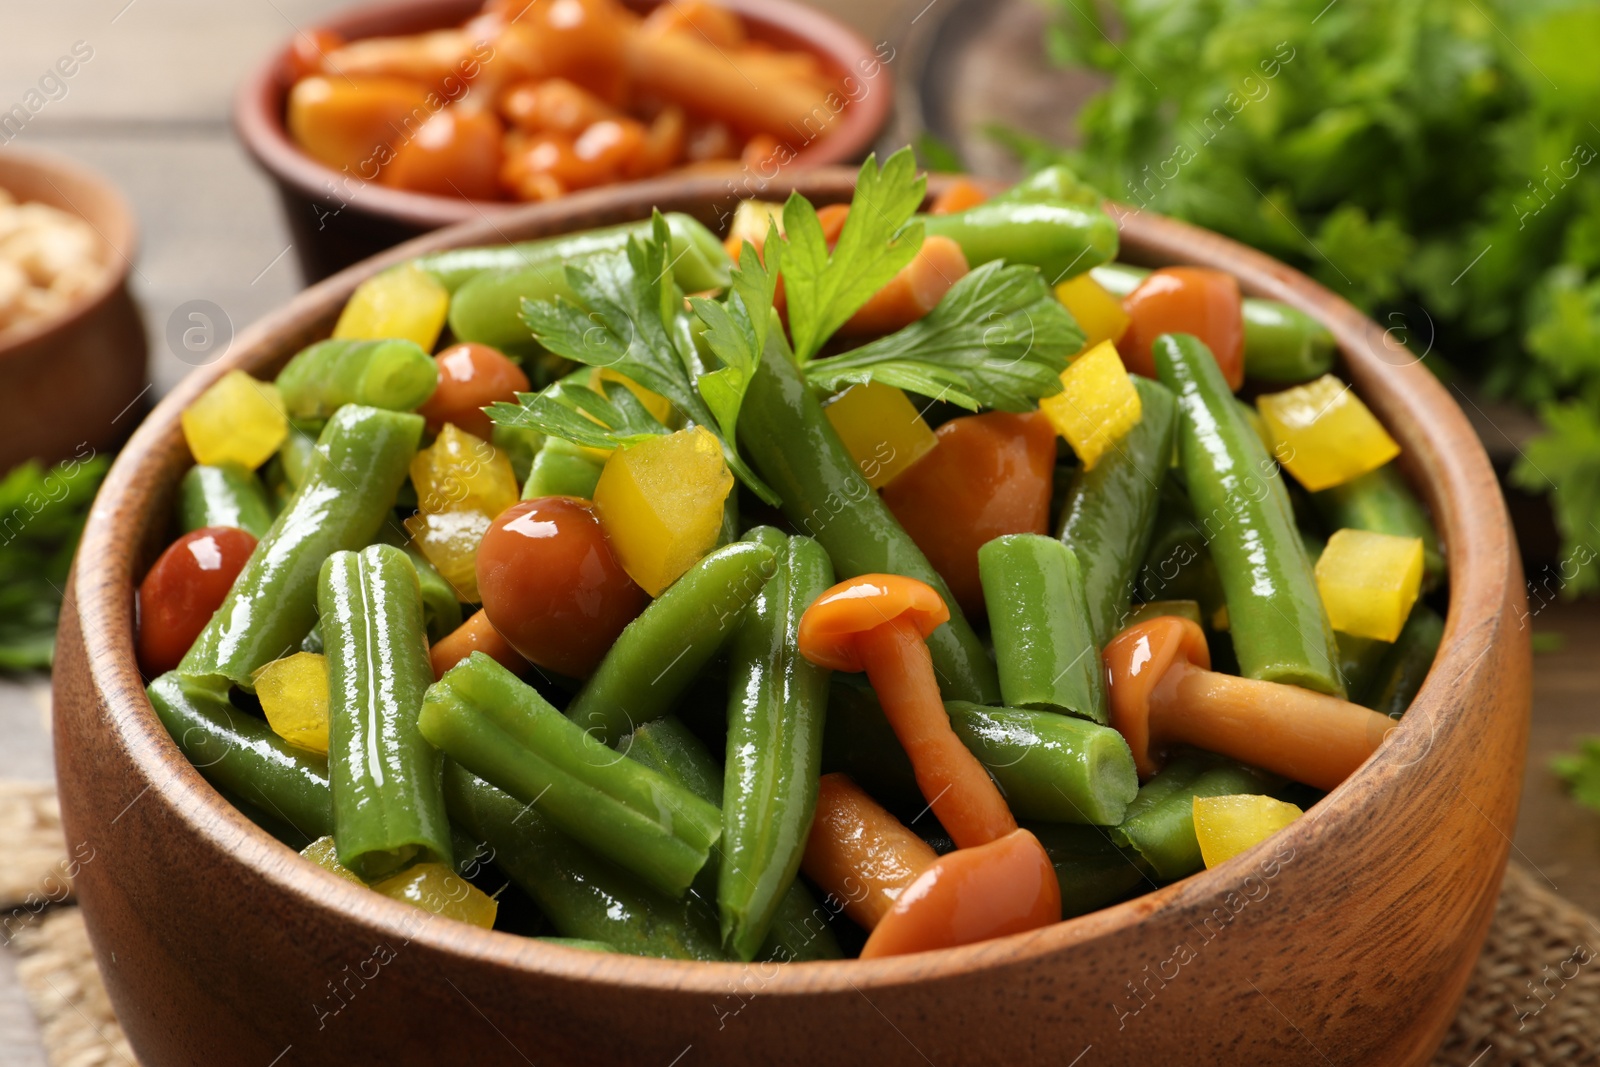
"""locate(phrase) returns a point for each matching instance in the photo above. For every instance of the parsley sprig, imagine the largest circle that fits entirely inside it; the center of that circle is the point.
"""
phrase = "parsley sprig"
(574, 412)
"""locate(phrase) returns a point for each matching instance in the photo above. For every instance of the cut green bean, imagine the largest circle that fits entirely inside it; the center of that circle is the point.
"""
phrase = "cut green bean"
(659, 653)
(485, 718)
(1154, 609)
(364, 455)
(298, 453)
(387, 806)
(1401, 674)
(583, 895)
(777, 700)
(1280, 629)
(1061, 239)
(227, 495)
(1044, 650)
(239, 754)
(1092, 870)
(394, 375)
(1051, 767)
(1110, 512)
(1160, 822)
(561, 468)
(520, 445)
(440, 608)
(1381, 501)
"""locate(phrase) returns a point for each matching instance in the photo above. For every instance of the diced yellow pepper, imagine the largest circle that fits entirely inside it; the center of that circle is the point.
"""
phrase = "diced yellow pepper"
(660, 502)
(450, 542)
(881, 429)
(404, 302)
(460, 472)
(238, 420)
(294, 696)
(436, 888)
(1228, 825)
(1369, 581)
(1099, 314)
(324, 855)
(1324, 434)
(1097, 404)
(752, 220)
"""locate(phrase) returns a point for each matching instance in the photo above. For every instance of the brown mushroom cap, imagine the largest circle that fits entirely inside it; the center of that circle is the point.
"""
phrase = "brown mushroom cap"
(1136, 661)
(831, 626)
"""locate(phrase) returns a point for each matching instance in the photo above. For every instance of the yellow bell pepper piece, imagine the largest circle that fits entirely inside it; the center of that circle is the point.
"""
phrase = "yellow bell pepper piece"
(436, 888)
(1099, 314)
(238, 420)
(324, 855)
(462, 483)
(403, 302)
(294, 696)
(752, 220)
(660, 502)
(1369, 581)
(881, 429)
(1228, 825)
(1097, 404)
(450, 542)
(1324, 434)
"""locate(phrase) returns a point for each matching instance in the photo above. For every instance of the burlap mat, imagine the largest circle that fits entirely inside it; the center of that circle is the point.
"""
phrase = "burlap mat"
(1534, 999)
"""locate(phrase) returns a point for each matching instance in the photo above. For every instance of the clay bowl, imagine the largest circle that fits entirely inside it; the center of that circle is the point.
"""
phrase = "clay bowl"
(336, 220)
(220, 945)
(67, 382)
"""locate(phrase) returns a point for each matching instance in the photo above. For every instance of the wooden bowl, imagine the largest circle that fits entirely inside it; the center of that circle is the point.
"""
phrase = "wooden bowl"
(336, 220)
(1347, 938)
(67, 381)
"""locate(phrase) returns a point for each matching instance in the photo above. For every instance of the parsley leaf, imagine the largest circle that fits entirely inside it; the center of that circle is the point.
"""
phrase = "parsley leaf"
(629, 317)
(998, 339)
(737, 330)
(824, 290)
(1581, 772)
(576, 413)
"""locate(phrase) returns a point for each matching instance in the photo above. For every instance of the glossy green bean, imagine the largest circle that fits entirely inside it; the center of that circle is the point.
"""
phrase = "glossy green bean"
(1092, 870)
(561, 468)
(1060, 238)
(298, 453)
(519, 445)
(785, 434)
(1110, 512)
(1159, 825)
(1044, 651)
(1381, 501)
(486, 719)
(441, 611)
(227, 495)
(273, 602)
(1050, 185)
(659, 653)
(239, 754)
(777, 700)
(387, 807)
(1051, 767)
(1404, 668)
(582, 894)
(1280, 629)
(392, 374)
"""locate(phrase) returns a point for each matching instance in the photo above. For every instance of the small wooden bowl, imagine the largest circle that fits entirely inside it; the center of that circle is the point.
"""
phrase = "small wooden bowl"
(337, 220)
(67, 381)
(1347, 938)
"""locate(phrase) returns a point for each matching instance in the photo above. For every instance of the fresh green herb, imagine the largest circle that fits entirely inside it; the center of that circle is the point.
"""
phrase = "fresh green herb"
(998, 339)
(878, 238)
(42, 512)
(629, 317)
(1581, 772)
(576, 413)
(737, 330)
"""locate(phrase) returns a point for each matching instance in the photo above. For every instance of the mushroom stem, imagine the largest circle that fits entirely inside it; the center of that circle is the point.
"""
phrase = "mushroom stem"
(957, 788)
(1306, 736)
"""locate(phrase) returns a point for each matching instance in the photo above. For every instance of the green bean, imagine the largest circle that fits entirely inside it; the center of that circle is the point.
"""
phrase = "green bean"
(1046, 654)
(1159, 825)
(659, 653)
(1405, 667)
(387, 807)
(394, 375)
(1282, 344)
(1092, 870)
(690, 239)
(297, 456)
(1050, 185)
(776, 703)
(561, 468)
(583, 895)
(1110, 512)
(667, 746)
(1280, 629)
(1051, 767)
(239, 753)
(440, 608)
(584, 944)
(1177, 565)
(1061, 239)
(364, 454)
(1382, 502)
(796, 451)
(228, 495)
(487, 308)
(487, 720)
(520, 445)
(1152, 609)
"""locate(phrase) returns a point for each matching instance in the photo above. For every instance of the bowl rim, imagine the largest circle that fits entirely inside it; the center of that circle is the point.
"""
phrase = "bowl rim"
(122, 243)
(259, 102)
(1441, 453)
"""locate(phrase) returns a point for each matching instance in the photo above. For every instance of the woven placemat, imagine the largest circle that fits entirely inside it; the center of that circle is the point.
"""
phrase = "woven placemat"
(1534, 1000)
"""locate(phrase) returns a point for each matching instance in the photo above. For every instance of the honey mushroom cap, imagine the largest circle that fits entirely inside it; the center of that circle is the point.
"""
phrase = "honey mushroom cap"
(1136, 661)
(831, 627)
